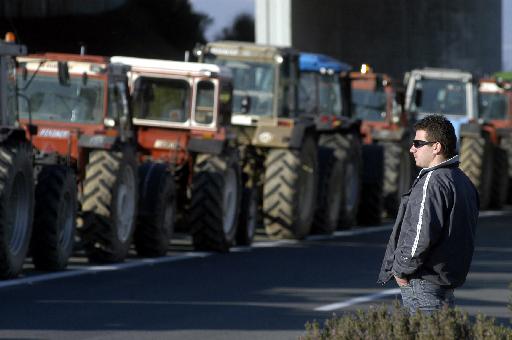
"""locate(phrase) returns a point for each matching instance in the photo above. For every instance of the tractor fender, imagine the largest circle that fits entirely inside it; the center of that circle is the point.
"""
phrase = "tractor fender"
(8, 134)
(504, 133)
(97, 141)
(389, 135)
(300, 130)
(471, 130)
(209, 146)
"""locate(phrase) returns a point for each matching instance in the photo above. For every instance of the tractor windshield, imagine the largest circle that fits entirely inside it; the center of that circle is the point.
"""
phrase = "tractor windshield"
(205, 102)
(253, 84)
(492, 105)
(162, 99)
(329, 95)
(442, 96)
(9, 96)
(81, 100)
(328, 101)
(369, 105)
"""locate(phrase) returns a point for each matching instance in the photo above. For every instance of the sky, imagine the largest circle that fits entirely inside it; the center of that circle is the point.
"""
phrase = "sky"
(507, 34)
(223, 12)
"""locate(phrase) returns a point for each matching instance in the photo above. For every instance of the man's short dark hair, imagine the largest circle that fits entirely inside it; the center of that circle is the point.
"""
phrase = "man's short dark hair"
(439, 129)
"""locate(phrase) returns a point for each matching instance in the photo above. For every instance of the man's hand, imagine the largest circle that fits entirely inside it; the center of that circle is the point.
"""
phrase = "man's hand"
(401, 282)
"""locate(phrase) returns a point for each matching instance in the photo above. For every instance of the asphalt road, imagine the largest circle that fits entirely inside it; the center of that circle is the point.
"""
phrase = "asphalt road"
(267, 291)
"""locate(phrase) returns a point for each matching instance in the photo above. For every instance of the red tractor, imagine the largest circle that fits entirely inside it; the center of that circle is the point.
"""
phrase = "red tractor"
(182, 113)
(486, 144)
(85, 142)
(376, 100)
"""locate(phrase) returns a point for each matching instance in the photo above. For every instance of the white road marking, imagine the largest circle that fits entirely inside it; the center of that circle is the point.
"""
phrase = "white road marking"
(357, 300)
(492, 213)
(95, 269)
(268, 244)
(396, 291)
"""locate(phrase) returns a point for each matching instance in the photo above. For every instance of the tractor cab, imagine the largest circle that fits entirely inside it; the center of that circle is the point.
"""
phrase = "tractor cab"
(321, 94)
(265, 91)
(77, 102)
(449, 92)
(377, 102)
(179, 107)
(495, 101)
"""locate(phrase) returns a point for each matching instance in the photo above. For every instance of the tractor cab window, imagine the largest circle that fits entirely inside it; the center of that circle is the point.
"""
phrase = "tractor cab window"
(253, 85)
(369, 105)
(161, 99)
(205, 102)
(329, 95)
(11, 91)
(79, 101)
(493, 105)
(307, 93)
(440, 96)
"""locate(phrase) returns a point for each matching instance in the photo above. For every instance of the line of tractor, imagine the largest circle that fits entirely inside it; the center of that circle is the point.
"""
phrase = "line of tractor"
(102, 154)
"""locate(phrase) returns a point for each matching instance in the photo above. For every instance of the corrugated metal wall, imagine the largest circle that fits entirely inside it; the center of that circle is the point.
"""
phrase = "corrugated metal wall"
(397, 35)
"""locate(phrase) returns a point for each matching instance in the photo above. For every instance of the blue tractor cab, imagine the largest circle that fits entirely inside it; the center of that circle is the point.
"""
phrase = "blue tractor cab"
(321, 92)
(315, 62)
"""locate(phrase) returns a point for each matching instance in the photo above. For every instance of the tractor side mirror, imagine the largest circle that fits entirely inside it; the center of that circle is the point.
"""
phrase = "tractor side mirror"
(379, 83)
(246, 104)
(400, 96)
(32, 129)
(63, 73)
(24, 72)
(418, 97)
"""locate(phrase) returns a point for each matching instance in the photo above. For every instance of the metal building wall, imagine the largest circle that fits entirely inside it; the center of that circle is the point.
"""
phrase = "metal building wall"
(397, 35)
(273, 22)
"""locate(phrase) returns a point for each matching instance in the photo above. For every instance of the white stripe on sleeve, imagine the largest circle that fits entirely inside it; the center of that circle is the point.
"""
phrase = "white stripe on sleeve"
(420, 217)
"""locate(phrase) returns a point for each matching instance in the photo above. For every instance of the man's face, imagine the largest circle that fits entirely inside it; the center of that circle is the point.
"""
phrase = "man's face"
(423, 155)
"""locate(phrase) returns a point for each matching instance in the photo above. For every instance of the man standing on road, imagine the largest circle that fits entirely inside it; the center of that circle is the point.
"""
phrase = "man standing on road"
(430, 249)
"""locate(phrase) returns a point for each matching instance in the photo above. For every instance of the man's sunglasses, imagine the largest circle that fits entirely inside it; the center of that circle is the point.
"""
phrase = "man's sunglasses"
(419, 143)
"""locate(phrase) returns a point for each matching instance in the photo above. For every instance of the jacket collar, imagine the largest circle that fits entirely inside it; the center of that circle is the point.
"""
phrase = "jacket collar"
(454, 161)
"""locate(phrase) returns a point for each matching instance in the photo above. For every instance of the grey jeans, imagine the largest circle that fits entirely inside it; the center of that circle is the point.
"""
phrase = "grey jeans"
(425, 296)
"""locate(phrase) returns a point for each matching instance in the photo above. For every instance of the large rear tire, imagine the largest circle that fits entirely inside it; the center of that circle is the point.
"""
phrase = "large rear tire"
(371, 204)
(289, 191)
(331, 190)
(347, 149)
(55, 218)
(157, 210)
(506, 145)
(16, 207)
(398, 175)
(215, 201)
(250, 215)
(500, 180)
(476, 159)
(109, 205)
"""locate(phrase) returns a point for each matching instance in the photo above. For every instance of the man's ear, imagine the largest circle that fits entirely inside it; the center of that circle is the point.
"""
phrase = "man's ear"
(438, 148)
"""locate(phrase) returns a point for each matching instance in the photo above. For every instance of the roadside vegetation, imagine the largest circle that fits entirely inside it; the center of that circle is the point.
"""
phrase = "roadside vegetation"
(383, 322)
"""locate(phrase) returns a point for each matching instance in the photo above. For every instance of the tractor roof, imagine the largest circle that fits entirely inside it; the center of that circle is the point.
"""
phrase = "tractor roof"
(319, 62)
(174, 67)
(245, 50)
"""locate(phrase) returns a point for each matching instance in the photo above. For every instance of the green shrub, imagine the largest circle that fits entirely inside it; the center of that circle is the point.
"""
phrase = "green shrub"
(396, 323)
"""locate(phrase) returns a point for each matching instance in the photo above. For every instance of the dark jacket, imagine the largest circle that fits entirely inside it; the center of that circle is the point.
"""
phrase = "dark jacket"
(433, 236)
